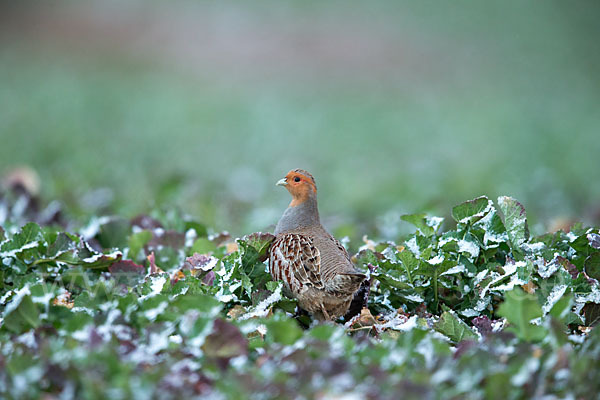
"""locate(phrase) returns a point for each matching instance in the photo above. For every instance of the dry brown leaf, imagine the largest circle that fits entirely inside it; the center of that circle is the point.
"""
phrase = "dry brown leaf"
(231, 247)
(64, 300)
(236, 312)
(529, 287)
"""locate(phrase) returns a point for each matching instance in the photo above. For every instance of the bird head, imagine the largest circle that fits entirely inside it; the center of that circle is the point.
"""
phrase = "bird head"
(301, 186)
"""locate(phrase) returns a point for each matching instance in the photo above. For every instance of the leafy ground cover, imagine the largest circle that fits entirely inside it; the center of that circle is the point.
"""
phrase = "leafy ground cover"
(160, 306)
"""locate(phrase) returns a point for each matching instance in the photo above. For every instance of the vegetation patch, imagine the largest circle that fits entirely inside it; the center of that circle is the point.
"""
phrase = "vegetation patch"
(161, 306)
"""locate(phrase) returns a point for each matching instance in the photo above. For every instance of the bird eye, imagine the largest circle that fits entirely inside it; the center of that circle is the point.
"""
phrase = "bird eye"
(296, 179)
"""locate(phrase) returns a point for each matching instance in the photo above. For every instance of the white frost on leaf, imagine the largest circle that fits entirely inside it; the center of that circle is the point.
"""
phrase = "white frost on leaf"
(412, 246)
(593, 239)
(12, 253)
(437, 260)
(98, 256)
(157, 283)
(434, 222)
(414, 297)
(492, 236)
(404, 325)
(5, 296)
(45, 299)
(152, 313)
(454, 270)
(534, 247)
(529, 367)
(480, 276)
(211, 264)
(545, 270)
(262, 308)
(93, 227)
(190, 237)
(16, 300)
(475, 311)
(28, 339)
(509, 271)
(592, 297)
(480, 214)
(466, 246)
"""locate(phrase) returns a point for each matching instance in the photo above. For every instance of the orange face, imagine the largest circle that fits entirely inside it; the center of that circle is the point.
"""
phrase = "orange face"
(300, 184)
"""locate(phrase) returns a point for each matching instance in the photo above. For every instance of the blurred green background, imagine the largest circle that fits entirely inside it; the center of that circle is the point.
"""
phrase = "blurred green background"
(394, 106)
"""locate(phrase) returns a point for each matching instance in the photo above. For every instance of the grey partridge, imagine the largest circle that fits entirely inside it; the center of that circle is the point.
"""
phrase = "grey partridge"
(314, 266)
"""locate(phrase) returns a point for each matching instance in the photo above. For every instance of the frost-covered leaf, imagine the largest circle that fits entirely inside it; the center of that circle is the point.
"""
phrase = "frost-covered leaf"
(515, 221)
(29, 237)
(453, 327)
(594, 240)
(472, 211)
(20, 314)
(495, 231)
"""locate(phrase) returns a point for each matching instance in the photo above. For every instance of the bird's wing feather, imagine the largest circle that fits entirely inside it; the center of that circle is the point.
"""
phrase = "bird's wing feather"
(295, 260)
(341, 247)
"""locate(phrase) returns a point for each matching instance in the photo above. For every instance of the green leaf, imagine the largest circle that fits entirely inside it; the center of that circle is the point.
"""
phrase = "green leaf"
(495, 231)
(137, 241)
(453, 327)
(197, 226)
(203, 246)
(515, 221)
(519, 308)
(561, 309)
(27, 238)
(114, 233)
(592, 266)
(425, 224)
(21, 314)
(284, 331)
(260, 242)
(61, 244)
(472, 211)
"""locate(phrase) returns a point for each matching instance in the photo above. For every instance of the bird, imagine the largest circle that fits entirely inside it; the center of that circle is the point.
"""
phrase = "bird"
(315, 267)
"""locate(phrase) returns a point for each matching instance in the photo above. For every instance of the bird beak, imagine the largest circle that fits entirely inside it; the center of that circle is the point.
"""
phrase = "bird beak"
(281, 182)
